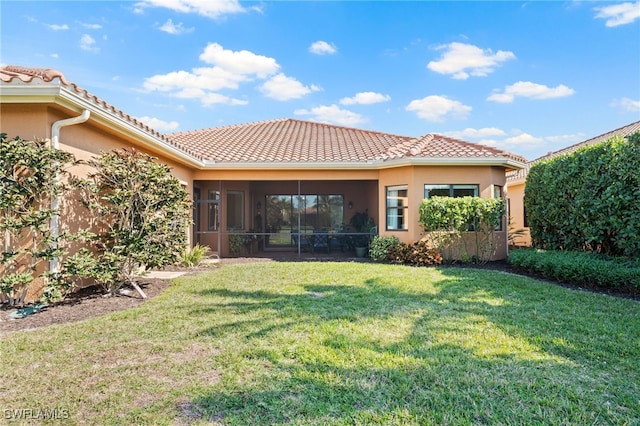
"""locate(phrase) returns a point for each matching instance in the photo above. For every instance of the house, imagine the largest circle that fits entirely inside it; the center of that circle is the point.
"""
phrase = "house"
(270, 180)
(516, 179)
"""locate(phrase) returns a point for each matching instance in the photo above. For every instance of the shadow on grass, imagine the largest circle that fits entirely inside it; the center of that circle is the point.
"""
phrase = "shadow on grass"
(481, 349)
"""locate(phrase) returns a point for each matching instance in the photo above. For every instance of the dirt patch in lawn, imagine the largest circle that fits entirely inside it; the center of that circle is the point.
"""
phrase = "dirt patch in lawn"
(92, 301)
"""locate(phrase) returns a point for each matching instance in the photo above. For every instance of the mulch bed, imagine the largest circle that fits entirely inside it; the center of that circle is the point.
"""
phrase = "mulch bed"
(92, 301)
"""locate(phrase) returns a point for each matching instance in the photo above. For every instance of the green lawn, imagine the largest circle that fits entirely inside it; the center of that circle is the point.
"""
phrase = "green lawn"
(339, 343)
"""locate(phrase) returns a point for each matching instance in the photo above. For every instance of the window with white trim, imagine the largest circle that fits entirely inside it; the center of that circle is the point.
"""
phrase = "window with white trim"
(397, 207)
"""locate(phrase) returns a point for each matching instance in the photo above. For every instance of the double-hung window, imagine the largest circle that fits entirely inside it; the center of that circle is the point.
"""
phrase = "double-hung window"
(397, 207)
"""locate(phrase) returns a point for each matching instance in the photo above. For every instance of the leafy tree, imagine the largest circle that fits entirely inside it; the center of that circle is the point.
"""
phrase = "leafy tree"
(31, 177)
(141, 215)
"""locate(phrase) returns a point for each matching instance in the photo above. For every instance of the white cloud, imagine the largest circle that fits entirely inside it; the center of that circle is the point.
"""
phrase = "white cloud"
(627, 105)
(333, 114)
(470, 133)
(531, 90)
(170, 28)
(619, 14)
(241, 62)
(229, 69)
(524, 139)
(55, 56)
(196, 83)
(88, 43)
(216, 98)
(436, 108)
(57, 27)
(322, 48)
(216, 9)
(159, 125)
(566, 140)
(365, 98)
(282, 88)
(462, 60)
(91, 26)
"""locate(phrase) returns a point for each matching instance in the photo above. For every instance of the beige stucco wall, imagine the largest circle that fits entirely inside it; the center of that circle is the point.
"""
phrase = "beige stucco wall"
(515, 194)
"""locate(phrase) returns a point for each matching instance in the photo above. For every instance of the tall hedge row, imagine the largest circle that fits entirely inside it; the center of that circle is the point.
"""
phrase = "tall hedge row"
(588, 200)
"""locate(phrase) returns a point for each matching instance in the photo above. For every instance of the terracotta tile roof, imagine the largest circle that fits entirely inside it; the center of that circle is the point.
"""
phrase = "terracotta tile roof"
(281, 141)
(290, 140)
(622, 131)
(13, 74)
(287, 140)
(438, 146)
(27, 75)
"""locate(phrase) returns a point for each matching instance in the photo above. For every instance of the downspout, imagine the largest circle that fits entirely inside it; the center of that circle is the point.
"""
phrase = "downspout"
(54, 264)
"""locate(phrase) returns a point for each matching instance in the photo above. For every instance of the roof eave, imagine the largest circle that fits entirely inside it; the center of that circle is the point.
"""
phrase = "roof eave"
(507, 163)
(61, 95)
(498, 161)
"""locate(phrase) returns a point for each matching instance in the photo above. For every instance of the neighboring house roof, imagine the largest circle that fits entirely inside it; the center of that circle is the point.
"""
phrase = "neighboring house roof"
(627, 130)
(265, 144)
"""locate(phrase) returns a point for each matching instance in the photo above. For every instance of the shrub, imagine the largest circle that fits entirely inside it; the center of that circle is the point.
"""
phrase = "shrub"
(445, 219)
(141, 214)
(380, 247)
(419, 254)
(588, 200)
(586, 269)
(31, 178)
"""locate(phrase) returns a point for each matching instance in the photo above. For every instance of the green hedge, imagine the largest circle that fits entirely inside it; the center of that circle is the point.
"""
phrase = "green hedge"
(586, 269)
(588, 200)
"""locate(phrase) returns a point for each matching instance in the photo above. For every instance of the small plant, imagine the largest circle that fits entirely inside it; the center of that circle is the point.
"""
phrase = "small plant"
(191, 257)
(235, 244)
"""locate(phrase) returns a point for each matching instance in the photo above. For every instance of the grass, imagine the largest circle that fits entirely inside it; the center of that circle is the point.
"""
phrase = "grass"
(337, 344)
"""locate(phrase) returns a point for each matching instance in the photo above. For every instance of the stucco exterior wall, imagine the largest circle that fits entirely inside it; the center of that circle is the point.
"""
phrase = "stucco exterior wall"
(416, 177)
(515, 194)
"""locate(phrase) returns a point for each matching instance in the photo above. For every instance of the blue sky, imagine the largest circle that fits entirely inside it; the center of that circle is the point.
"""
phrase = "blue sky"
(528, 77)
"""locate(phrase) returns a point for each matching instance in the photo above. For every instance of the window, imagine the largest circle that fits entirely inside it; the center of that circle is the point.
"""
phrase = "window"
(497, 191)
(451, 191)
(287, 214)
(397, 207)
(213, 201)
(235, 210)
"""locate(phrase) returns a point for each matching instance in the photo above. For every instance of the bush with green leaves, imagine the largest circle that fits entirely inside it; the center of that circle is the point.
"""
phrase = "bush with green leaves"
(140, 212)
(588, 200)
(446, 220)
(419, 253)
(31, 177)
(585, 269)
(380, 246)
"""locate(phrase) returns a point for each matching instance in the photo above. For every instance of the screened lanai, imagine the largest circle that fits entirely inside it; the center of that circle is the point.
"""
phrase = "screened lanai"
(246, 218)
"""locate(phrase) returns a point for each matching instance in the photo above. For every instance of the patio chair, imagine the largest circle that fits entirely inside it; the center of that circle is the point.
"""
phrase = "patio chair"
(321, 241)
